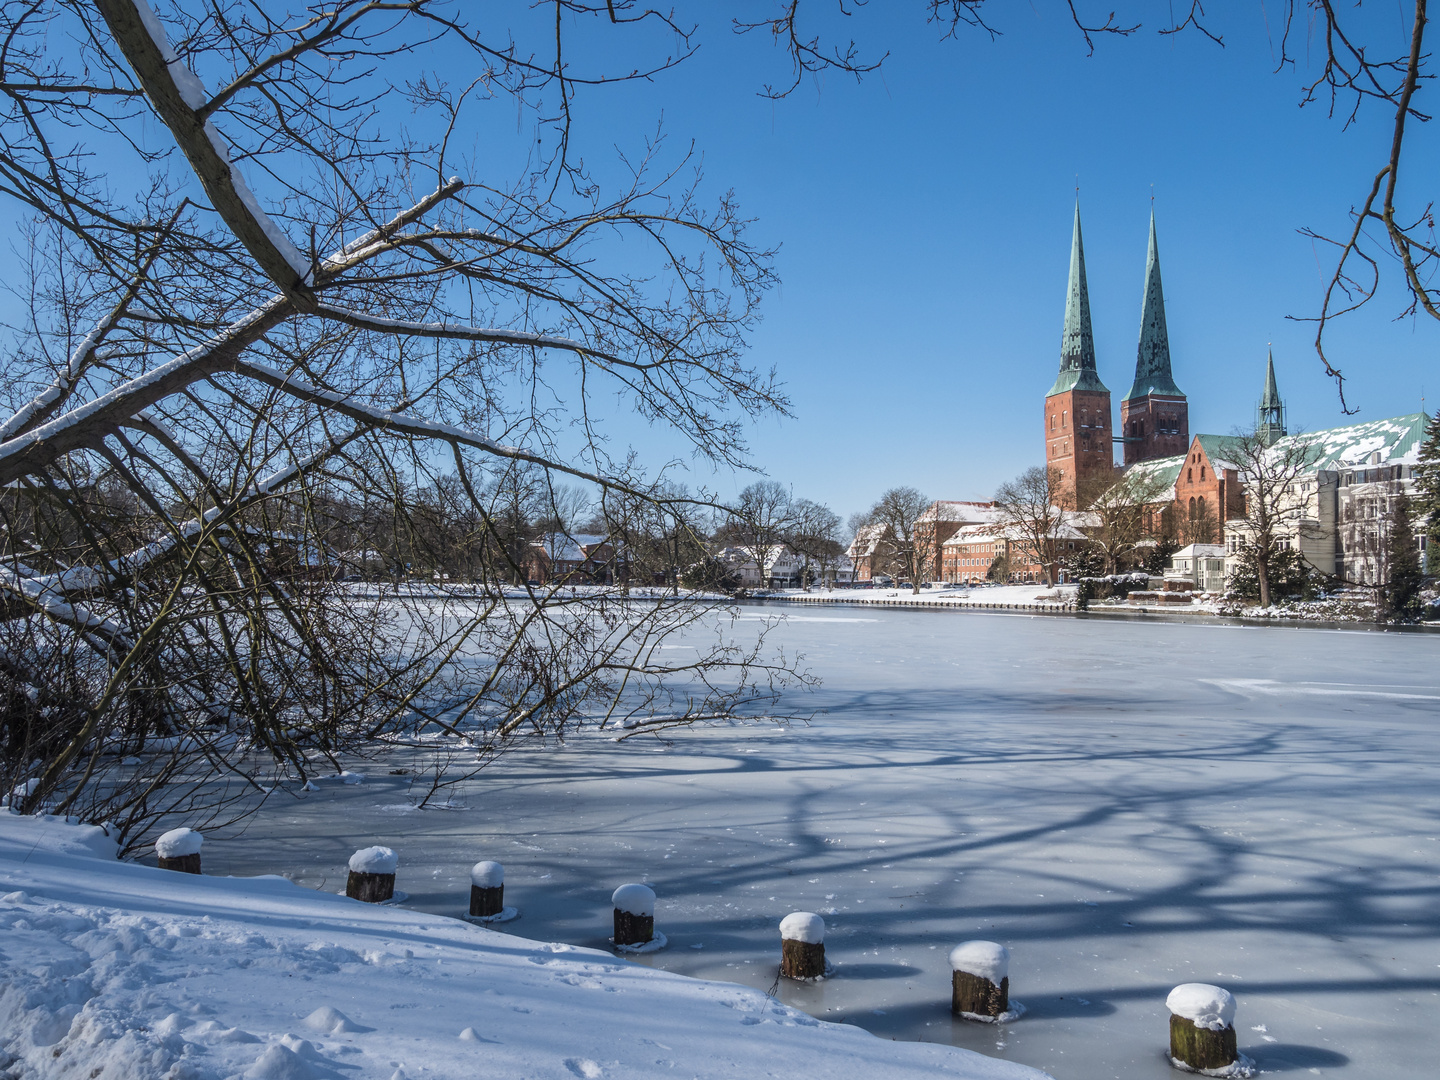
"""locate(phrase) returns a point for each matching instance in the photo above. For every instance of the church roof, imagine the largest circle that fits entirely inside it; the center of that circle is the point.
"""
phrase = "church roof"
(1152, 358)
(1077, 342)
(1270, 399)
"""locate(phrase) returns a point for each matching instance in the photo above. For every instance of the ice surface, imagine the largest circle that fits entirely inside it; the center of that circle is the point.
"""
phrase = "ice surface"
(634, 899)
(374, 860)
(987, 959)
(803, 926)
(1205, 1006)
(1125, 805)
(179, 842)
(487, 874)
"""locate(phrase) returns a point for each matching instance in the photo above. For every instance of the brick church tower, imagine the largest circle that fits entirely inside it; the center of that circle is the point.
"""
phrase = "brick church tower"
(1154, 415)
(1077, 409)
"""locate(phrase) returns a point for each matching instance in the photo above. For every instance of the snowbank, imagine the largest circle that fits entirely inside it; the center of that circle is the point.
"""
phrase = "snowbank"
(487, 875)
(803, 926)
(118, 970)
(374, 860)
(634, 900)
(1205, 1006)
(983, 958)
(177, 843)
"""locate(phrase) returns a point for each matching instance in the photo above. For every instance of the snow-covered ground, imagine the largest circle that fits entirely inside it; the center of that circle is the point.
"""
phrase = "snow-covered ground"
(978, 596)
(1126, 806)
(113, 971)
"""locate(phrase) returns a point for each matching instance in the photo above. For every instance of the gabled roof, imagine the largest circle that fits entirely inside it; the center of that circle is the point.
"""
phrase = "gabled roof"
(1222, 450)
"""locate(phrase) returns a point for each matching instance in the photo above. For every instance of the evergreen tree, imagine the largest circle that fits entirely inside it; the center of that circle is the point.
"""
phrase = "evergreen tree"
(1426, 508)
(1401, 593)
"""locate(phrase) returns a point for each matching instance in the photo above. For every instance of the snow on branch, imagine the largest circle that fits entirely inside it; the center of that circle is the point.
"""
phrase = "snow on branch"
(177, 96)
(31, 451)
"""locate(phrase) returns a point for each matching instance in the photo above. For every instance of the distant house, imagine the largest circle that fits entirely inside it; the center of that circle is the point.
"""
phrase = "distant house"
(871, 552)
(940, 521)
(974, 551)
(578, 559)
(1202, 565)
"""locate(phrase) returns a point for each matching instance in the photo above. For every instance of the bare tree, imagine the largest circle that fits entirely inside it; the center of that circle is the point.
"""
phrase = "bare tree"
(815, 537)
(1275, 507)
(309, 320)
(1125, 510)
(763, 521)
(911, 547)
(1030, 508)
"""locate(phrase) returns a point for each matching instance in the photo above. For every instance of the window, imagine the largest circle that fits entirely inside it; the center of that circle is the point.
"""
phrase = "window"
(1063, 421)
(1189, 476)
(1202, 472)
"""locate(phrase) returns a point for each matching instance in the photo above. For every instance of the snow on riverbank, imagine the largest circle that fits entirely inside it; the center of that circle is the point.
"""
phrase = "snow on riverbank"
(984, 596)
(112, 970)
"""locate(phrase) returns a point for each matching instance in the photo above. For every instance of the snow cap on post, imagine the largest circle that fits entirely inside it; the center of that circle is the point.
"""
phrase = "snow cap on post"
(985, 959)
(374, 860)
(1205, 1006)
(634, 899)
(487, 875)
(803, 926)
(177, 843)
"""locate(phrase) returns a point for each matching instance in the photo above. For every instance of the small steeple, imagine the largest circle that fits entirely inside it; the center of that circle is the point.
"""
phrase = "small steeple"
(1152, 359)
(1077, 343)
(1270, 415)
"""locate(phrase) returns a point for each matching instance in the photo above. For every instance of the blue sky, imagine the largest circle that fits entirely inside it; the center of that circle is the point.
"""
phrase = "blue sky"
(924, 218)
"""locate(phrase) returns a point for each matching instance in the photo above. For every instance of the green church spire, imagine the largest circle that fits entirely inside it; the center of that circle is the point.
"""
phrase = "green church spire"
(1270, 416)
(1152, 360)
(1077, 343)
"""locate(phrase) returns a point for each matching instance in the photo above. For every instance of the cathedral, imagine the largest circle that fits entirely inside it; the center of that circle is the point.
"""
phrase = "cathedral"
(1154, 416)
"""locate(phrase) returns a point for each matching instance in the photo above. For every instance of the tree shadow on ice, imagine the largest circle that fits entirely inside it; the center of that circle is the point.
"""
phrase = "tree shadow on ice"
(1289, 1057)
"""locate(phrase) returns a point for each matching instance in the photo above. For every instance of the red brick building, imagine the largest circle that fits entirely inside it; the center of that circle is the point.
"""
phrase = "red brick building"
(1077, 408)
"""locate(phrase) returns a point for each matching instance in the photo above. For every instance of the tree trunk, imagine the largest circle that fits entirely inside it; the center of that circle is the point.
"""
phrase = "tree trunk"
(1201, 1048)
(372, 888)
(186, 864)
(1262, 571)
(973, 994)
(802, 959)
(485, 902)
(633, 929)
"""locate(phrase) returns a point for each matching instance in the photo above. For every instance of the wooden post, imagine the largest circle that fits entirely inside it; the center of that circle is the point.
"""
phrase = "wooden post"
(372, 875)
(487, 889)
(179, 849)
(634, 914)
(1202, 1027)
(980, 980)
(802, 945)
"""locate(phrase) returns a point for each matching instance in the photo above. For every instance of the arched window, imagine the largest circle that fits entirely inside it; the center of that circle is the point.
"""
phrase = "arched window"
(1200, 506)
(1192, 509)
(1063, 421)
(1190, 476)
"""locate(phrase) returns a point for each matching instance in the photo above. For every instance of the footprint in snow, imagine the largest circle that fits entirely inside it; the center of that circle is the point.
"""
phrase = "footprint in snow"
(584, 1067)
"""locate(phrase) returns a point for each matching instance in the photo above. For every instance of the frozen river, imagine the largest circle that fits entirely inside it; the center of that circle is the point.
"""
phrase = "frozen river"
(1125, 805)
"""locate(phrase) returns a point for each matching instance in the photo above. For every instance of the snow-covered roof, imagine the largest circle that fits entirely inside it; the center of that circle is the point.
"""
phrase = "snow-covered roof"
(1200, 551)
(867, 539)
(1396, 441)
(563, 547)
(953, 510)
